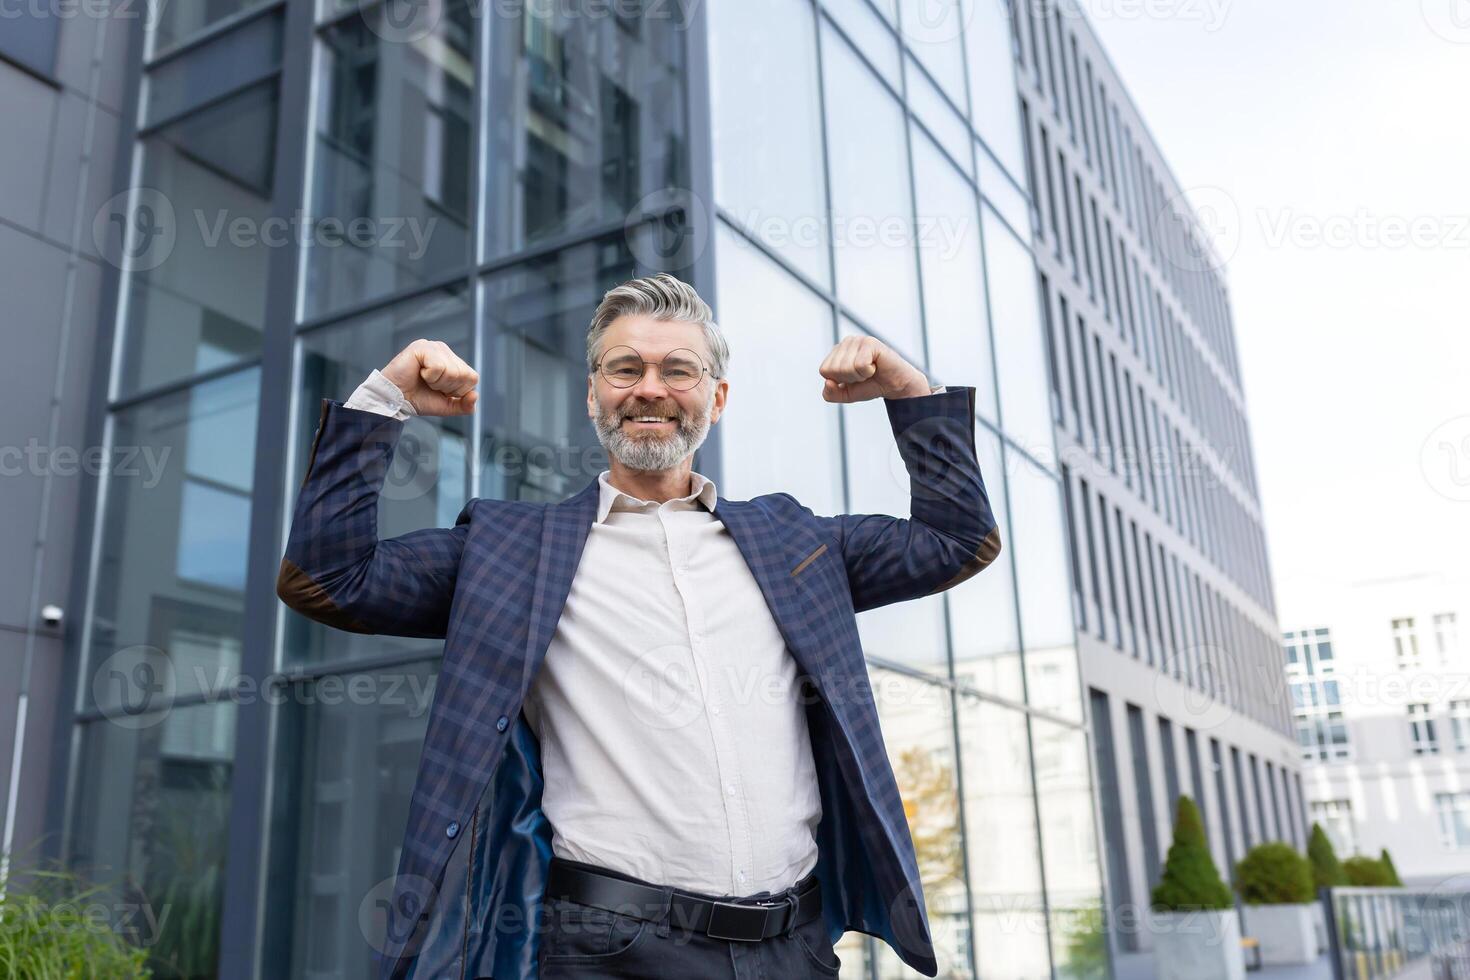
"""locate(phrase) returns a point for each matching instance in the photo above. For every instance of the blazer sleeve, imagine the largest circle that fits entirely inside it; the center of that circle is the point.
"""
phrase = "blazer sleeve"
(335, 570)
(951, 533)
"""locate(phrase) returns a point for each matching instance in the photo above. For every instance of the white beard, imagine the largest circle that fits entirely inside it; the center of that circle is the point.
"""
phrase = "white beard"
(652, 451)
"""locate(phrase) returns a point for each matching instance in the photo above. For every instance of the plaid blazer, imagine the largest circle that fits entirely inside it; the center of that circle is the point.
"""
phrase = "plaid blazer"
(466, 901)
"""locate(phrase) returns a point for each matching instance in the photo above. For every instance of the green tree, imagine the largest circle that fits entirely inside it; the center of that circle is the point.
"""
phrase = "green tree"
(1273, 873)
(1326, 869)
(1393, 873)
(1190, 880)
(1366, 872)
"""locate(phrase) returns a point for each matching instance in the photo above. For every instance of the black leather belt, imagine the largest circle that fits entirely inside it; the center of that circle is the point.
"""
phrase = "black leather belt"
(749, 920)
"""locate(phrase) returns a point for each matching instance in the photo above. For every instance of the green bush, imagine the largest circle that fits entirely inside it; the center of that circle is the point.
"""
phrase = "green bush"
(1190, 880)
(1273, 873)
(1366, 872)
(1393, 873)
(1326, 869)
(47, 933)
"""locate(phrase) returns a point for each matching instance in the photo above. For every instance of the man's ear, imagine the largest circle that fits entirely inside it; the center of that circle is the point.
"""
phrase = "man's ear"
(722, 392)
(591, 399)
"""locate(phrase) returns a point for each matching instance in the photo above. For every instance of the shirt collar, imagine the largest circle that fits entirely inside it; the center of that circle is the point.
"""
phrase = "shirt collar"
(607, 494)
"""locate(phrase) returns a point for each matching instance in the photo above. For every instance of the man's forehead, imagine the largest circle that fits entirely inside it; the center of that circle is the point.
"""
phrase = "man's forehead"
(654, 337)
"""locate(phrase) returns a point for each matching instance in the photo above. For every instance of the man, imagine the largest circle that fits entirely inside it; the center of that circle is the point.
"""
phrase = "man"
(653, 749)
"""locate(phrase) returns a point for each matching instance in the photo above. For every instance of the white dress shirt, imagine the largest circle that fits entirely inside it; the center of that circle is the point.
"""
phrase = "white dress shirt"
(673, 744)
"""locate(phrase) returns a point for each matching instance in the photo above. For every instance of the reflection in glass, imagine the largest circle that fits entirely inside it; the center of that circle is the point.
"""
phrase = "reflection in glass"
(1069, 846)
(872, 211)
(1009, 915)
(221, 65)
(777, 433)
(349, 777)
(428, 481)
(1020, 348)
(177, 22)
(151, 818)
(585, 117)
(917, 721)
(539, 442)
(1039, 549)
(196, 301)
(982, 610)
(767, 128)
(390, 182)
(995, 109)
(170, 580)
(909, 632)
(958, 333)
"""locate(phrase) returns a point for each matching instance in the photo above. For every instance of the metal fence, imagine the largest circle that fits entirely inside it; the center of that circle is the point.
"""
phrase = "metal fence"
(1381, 932)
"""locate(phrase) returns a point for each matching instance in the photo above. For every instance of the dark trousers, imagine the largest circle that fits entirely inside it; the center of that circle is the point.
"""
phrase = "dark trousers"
(584, 942)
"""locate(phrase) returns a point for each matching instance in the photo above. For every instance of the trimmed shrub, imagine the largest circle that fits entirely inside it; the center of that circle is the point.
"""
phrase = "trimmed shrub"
(1393, 873)
(1366, 872)
(1326, 869)
(1273, 873)
(1190, 881)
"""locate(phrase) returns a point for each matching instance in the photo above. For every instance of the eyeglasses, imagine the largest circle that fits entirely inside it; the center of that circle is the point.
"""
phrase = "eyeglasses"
(681, 369)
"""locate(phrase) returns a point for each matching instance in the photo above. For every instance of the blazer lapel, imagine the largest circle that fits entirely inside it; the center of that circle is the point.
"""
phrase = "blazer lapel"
(772, 552)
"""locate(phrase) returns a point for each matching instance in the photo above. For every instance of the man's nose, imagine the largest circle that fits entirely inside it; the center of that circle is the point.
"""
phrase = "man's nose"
(651, 386)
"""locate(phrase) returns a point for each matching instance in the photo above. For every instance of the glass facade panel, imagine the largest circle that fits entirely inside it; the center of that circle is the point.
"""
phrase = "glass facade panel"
(868, 33)
(538, 442)
(1009, 911)
(197, 290)
(872, 214)
(918, 730)
(1020, 347)
(1069, 848)
(151, 829)
(767, 125)
(171, 580)
(946, 126)
(391, 159)
(428, 481)
(958, 333)
(174, 23)
(30, 36)
(1038, 546)
(355, 742)
(932, 30)
(995, 108)
(585, 118)
(778, 432)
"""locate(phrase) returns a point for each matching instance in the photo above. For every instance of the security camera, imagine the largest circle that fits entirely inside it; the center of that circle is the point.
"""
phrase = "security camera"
(51, 614)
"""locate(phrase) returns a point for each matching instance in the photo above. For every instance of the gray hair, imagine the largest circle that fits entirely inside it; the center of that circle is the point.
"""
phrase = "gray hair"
(662, 297)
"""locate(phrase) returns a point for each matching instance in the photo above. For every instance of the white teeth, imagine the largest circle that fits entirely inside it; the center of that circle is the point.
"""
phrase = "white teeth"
(649, 418)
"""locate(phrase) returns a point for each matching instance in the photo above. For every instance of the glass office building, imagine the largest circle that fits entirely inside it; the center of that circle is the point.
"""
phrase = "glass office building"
(313, 184)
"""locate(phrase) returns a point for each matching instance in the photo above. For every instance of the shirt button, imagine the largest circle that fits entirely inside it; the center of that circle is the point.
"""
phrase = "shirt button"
(730, 788)
(714, 710)
(502, 723)
(741, 876)
(452, 831)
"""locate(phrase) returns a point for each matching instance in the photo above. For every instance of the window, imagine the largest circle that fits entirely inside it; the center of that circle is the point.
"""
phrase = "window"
(1460, 724)
(29, 36)
(1454, 820)
(1405, 643)
(1446, 635)
(1336, 818)
(1421, 730)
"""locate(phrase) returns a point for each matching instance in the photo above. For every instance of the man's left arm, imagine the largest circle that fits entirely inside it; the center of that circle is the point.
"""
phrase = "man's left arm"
(951, 533)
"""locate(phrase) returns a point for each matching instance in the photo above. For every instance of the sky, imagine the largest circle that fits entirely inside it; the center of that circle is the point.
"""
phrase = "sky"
(1330, 144)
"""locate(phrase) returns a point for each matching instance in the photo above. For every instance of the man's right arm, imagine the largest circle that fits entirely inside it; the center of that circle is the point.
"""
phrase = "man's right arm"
(335, 570)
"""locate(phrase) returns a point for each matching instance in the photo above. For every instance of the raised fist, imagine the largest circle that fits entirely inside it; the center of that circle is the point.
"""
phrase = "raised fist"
(434, 379)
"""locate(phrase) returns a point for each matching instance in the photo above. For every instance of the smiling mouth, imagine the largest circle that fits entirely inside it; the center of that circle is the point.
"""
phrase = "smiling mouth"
(647, 422)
